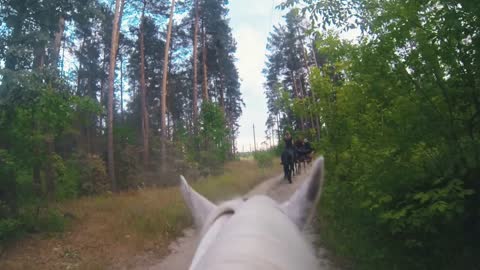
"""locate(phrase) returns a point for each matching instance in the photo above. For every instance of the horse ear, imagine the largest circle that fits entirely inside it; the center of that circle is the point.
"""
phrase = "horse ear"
(300, 204)
(199, 206)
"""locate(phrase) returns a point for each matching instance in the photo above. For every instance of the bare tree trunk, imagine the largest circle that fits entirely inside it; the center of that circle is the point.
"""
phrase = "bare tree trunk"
(143, 92)
(121, 89)
(102, 88)
(315, 54)
(38, 64)
(204, 63)
(39, 58)
(111, 77)
(62, 66)
(57, 42)
(163, 99)
(195, 72)
(315, 120)
(298, 94)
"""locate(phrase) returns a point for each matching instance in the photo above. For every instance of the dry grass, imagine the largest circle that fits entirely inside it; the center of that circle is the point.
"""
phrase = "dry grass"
(110, 230)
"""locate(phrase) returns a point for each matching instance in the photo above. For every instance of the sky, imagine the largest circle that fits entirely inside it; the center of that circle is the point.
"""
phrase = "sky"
(251, 22)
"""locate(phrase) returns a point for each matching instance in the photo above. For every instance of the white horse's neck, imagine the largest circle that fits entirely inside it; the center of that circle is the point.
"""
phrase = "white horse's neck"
(212, 228)
(258, 235)
(255, 234)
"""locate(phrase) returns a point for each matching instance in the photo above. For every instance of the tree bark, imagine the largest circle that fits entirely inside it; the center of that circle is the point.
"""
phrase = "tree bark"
(163, 99)
(39, 57)
(57, 42)
(143, 93)
(204, 63)
(298, 94)
(38, 64)
(195, 71)
(315, 120)
(122, 119)
(111, 77)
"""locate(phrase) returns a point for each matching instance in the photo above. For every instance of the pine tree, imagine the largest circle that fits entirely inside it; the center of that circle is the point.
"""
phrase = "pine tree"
(119, 4)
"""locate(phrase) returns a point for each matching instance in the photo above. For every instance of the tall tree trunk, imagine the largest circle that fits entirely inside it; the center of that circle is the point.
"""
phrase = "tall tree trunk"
(143, 93)
(38, 65)
(163, 100)
(39, 57)
(121, 90)
(195, 71)
(111, 77)
(204, 63)
(315, 120)
(57, 42)
(294, 85)
(315, 54)
(298, 94)
(62, 66)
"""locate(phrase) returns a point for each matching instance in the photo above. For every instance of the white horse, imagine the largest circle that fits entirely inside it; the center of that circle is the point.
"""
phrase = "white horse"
(257, 233)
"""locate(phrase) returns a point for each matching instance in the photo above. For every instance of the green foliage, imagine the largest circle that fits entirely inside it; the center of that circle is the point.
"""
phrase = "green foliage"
(36, 111)
(8, 228)
(85, 174)
(35, 218)
(264, 159)
(400, 133)
(213, 137)
(128, 166)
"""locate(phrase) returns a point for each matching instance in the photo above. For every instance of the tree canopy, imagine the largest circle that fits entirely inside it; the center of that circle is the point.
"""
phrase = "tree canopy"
(399, 117)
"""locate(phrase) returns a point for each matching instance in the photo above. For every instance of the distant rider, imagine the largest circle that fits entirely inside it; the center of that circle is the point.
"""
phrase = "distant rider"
(288, 140)
(307, 146)
(288, 144)
(308, 149)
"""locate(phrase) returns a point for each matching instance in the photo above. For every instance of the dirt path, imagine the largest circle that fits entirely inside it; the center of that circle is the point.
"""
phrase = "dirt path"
(183, 249)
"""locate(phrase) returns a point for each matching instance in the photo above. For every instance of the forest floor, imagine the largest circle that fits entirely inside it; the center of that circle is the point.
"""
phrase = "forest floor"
(183, 249)
(115, 231)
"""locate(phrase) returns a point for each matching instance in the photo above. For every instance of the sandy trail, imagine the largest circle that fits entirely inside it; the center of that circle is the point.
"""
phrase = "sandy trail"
(183, 249)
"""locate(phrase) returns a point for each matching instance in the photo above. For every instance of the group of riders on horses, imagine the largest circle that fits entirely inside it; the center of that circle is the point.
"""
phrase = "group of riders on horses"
(294, 155)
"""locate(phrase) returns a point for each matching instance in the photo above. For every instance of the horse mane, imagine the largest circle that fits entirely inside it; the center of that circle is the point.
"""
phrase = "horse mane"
(268, 245)
(224, 208)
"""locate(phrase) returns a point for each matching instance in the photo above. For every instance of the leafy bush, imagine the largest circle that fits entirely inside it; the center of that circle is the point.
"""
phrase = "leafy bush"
(8, 228)
(397, 186)
(213, 138)
(400, 133)
(35, 218)
(85, 174)
(264, 158)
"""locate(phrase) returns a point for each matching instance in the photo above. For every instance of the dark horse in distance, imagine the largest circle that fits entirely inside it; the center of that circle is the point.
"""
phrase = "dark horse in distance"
(288, 162)
(288, 157)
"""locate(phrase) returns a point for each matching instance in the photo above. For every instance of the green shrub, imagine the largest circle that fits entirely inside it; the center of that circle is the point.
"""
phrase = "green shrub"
(9, 227)
(85, 174)
(41, 219)
(264, 159)
(128, 164)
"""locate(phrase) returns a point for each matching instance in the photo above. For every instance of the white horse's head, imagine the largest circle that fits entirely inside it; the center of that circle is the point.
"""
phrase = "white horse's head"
(257, 233)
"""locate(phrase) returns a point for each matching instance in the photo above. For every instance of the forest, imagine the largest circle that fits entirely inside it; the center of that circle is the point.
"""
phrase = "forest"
(99, 96)
(396, 112)
(103, 97)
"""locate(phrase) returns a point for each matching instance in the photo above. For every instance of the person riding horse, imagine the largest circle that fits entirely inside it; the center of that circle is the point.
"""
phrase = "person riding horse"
(308, 149)
(288, 157)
